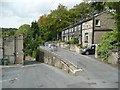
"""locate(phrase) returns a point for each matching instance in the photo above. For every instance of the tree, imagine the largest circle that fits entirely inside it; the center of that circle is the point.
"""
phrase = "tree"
(35, 29)
(106, 45)
(30, 37)
(98, 6)
(41, 21)
(23, 29)
(111, 40)
(42, 28)
(114, 8)
(80, 12)
(55, 22)
(8, 32)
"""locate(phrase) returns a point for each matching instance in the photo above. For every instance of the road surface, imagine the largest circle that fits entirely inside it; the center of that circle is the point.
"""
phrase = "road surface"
(95, 74)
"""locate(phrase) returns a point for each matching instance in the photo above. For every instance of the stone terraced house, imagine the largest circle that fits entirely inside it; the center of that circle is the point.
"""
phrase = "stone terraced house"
(90, 30)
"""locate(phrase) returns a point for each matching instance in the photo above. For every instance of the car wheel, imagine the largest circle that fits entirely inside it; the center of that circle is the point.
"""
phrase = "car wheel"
(87, 53)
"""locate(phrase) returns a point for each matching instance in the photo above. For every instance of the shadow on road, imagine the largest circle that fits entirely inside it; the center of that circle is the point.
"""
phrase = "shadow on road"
(31, 62)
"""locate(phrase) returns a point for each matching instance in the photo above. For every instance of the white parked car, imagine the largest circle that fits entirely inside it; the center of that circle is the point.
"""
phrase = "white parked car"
(53, 46)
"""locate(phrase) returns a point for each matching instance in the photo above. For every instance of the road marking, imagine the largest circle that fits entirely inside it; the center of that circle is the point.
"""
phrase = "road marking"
(8, 80)
(32, 65)
(10, 66)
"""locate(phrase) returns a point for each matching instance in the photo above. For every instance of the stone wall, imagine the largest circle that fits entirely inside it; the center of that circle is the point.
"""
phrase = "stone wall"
(57, 61)
(71, 47)
(19, 48)
(98, 36)
(87, 28)
(9, 49)
(106, 22)
(113, 58)
(13, 49)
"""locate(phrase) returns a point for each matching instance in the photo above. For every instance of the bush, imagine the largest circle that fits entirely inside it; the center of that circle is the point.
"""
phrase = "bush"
(74, 41)
(70, 42)
(107, 44)
(79, 45)
(34, 53)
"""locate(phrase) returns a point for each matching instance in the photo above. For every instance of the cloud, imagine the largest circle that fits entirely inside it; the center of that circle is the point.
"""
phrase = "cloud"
(17, 12)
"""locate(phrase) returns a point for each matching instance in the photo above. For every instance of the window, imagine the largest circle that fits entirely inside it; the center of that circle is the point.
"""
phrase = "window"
(79, 27)
(76, 28)
(86, 37)
(97, 22)
(62, 32)
(72, 29)
(66, 31)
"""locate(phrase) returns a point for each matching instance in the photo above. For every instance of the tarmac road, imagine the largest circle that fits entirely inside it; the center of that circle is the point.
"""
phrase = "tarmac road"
(95, 74)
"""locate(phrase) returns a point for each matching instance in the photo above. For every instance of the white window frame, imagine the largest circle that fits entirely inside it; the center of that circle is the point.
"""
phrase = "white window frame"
(75, 28)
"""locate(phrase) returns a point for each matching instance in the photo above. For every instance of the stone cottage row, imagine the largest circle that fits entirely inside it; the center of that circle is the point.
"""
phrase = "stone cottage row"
(90, 30)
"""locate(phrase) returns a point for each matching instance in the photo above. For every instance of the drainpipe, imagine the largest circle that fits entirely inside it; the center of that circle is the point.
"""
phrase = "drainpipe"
(3, 49)
(3, 46)
(15, 50)
(93, 31)
(81, 34)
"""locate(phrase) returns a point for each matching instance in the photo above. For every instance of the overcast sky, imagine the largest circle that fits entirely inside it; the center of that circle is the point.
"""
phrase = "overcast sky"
(14, 13)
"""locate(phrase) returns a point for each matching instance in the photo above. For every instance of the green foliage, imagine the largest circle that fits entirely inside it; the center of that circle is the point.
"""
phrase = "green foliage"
(34, 53)
(49, 27)
(31, 36)
(114, 8)
(70, 42)
(80, 12)
(74, 41)
(23, 29)
(8, 32)
(35, 30)
(98, 6)
(109, 42)
(79, 45)
(53, 23)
